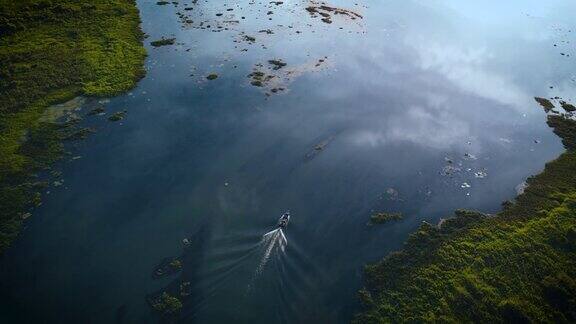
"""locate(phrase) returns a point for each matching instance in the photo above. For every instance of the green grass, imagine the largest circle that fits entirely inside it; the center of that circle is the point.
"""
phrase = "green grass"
(519, 266)
(50, 52)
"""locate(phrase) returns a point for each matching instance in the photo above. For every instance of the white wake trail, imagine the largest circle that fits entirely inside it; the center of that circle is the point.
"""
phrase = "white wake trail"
(273, 242)
(270, 241)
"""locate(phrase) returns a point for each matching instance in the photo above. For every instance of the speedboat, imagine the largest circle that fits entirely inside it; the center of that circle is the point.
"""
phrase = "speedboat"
(284, 219)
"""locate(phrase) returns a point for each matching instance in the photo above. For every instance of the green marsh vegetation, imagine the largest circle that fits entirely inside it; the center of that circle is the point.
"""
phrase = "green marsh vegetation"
(516, 266)
(50, 52)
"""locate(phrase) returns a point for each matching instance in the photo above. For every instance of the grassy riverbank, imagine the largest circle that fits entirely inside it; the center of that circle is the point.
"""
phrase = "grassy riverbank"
(50, 52)
(519, 266)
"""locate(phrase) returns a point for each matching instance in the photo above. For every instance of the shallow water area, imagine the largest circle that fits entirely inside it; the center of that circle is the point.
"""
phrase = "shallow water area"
(415, 107)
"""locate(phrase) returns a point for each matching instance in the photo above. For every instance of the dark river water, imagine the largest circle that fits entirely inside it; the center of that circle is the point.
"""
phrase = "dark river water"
(418, 107)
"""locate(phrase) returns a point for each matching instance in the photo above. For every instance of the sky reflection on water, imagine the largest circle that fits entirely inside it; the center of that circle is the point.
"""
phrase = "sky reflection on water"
(414, 101)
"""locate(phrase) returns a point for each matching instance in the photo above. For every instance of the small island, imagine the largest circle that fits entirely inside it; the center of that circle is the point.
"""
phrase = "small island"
(163, 42)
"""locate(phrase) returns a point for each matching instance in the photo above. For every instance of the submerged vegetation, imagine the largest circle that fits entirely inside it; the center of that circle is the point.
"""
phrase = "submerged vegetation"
(50, 52)
(167, 304)
(259, 78)
(167, 267)
(278, 64)
(117, 116)
(381, 218)
(545, 103)
(517, 266)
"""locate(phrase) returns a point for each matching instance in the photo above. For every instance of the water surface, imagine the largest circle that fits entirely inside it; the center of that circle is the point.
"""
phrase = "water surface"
(420, 107)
